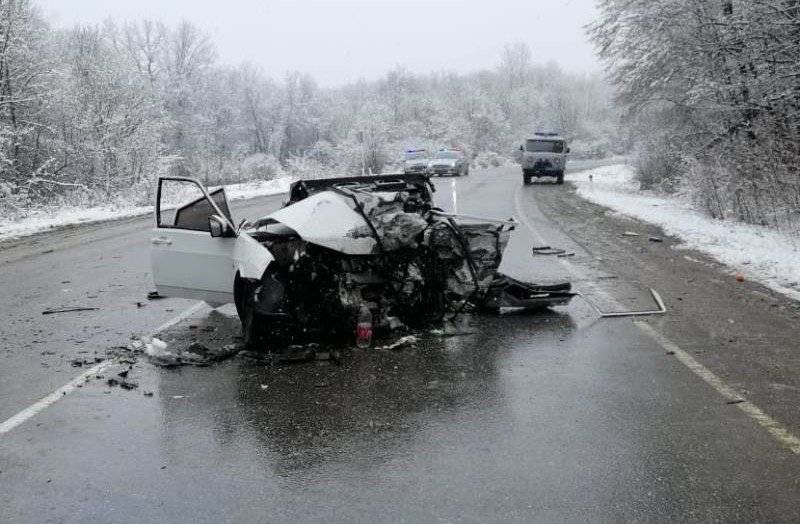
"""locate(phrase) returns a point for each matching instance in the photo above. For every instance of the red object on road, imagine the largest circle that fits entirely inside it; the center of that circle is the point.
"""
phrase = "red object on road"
(364, 328)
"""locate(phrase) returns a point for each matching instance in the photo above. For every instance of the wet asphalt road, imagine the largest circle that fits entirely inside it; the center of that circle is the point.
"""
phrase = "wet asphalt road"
(556, 417)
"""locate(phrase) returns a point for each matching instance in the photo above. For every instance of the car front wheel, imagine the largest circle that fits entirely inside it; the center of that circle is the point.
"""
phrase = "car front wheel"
(252, 322)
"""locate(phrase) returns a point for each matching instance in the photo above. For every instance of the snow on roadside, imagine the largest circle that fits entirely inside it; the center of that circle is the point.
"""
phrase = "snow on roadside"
(38, 221)
(260, 188)
(761, 254)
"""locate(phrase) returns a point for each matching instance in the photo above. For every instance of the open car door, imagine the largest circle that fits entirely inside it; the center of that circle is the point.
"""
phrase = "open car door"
(193, 243)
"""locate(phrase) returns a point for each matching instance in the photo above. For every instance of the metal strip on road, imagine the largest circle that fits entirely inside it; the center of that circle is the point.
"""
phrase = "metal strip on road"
(772, 426)
(73, 384)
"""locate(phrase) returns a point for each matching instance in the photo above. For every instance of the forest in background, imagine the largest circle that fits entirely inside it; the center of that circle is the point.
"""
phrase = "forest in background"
(96, 113)
(710, 95)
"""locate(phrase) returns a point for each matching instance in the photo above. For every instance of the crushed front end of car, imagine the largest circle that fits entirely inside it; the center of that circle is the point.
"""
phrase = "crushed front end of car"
(340, 244)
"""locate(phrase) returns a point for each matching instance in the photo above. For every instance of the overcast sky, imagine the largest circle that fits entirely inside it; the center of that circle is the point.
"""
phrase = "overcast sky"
(338, 41)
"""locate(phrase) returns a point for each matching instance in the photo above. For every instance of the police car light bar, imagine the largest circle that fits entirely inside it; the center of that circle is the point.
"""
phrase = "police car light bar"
(545, 133)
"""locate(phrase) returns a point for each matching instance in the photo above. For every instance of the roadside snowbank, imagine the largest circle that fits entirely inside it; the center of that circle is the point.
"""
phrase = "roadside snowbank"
(247, 190)
(37, 221)
(759, 253)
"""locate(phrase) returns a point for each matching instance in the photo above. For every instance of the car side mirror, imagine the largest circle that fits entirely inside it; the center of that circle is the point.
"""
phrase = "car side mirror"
(522, 148)
(218, 227)
(567, 150)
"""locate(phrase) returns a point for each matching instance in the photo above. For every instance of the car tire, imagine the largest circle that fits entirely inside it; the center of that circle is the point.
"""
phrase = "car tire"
(560, 177)
(252, 323)
(526, 178)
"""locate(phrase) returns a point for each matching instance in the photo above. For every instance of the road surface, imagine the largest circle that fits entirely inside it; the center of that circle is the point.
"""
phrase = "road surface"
(556, 417)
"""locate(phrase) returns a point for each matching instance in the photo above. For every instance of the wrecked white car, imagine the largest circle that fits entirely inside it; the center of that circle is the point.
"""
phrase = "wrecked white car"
(338, 244)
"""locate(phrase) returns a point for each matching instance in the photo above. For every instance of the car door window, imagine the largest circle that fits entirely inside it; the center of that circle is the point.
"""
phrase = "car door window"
(182, 204)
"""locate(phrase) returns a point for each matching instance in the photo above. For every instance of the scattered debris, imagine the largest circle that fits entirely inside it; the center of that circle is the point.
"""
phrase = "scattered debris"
(408, 340)
(80, 362)
(739, 277)
(294, 355)
(140, 304)
(153, 295)
(194, 354)
(547, 250)
(443, 333)
(148, 393)
(655, 239)
(565, 255)
(630, 234)
(737, 401)
(123, 374)
(124, 384)
(68, 310)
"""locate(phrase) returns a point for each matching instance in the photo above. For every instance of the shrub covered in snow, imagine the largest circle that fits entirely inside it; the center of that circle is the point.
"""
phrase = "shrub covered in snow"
(486, 159)
(260, 166)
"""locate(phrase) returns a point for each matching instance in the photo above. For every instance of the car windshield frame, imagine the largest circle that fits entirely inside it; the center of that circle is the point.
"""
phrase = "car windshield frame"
(416, 155)
(538, 145)
(449, 155)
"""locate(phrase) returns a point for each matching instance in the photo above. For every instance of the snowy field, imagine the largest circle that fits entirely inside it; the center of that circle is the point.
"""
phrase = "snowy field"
(39, 221)
(758, 253)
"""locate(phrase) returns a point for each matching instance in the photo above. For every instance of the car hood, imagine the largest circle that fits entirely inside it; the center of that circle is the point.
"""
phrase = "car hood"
(329, 220)
(417, 162)
(444, 162)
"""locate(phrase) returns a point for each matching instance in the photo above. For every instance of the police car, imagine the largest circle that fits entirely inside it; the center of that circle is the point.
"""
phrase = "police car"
(452, 161)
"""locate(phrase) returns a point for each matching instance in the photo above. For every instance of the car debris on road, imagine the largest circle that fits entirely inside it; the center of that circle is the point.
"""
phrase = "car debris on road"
(68, 310)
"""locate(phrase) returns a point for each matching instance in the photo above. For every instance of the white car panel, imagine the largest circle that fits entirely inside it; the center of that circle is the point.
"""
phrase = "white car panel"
(250, 258)
(193, 264)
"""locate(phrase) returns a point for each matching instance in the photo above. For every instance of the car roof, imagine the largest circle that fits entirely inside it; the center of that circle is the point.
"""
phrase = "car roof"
(545, 136)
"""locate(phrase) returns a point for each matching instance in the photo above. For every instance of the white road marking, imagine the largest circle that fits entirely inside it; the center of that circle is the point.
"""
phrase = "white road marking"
(70, 386)
(191, 310)
(775, 428)
(455, 196)
(52, 398)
